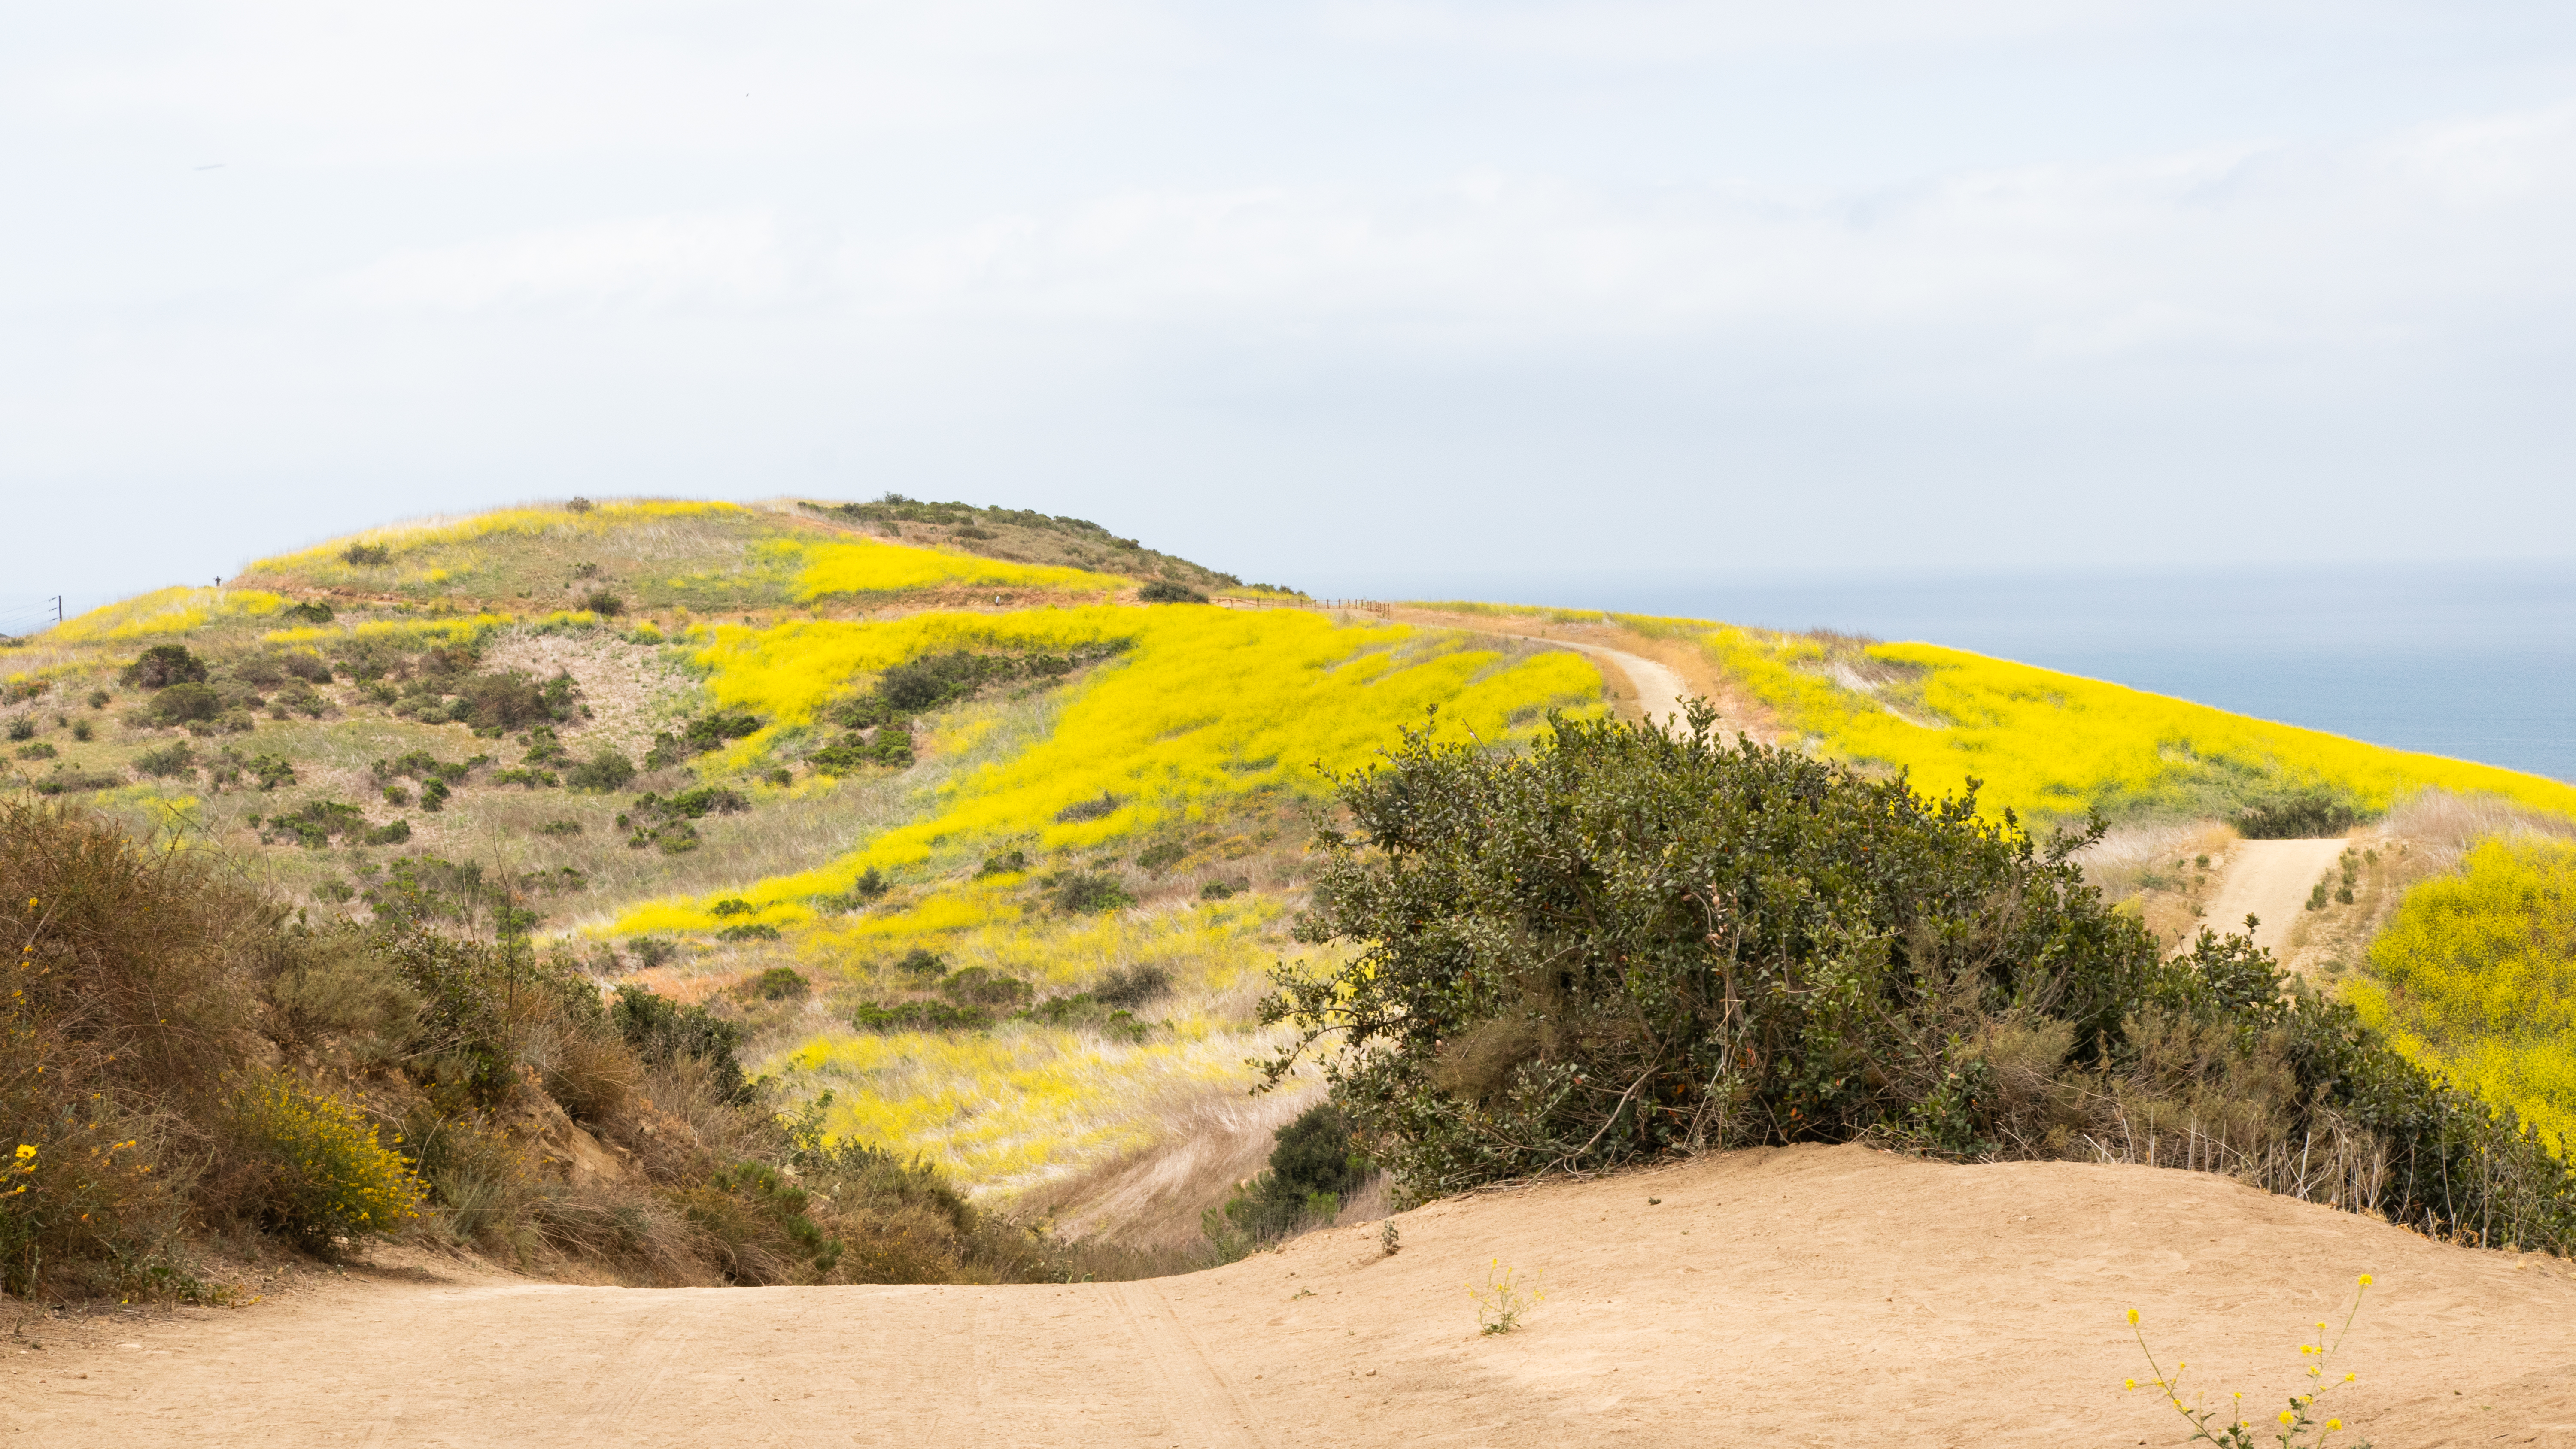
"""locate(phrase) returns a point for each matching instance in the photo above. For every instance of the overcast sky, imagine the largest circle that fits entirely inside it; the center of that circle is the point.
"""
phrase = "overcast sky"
(1305, 291)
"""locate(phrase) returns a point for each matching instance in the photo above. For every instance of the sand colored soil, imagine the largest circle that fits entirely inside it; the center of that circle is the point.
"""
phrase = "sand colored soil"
(1810, 1296)
(2270, 880)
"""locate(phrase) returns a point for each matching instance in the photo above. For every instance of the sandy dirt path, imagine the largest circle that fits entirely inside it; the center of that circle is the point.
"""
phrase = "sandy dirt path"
(1807, 1296)
(2270, 880)
(1658, 687)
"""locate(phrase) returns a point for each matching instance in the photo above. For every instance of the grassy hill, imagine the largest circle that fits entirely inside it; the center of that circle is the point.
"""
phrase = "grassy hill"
(921, 797)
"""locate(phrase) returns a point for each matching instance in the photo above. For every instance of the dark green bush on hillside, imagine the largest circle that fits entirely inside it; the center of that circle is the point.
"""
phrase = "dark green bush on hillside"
(660, 1029)
(163, 665)
(1625, 942)
(601, 773)
(1086, 893)
(1164, 591)
(185, 704)
(2297, 813)
(367, 555)
(1312, 1171)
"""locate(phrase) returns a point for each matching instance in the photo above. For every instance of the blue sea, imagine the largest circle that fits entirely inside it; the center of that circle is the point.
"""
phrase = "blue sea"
(2472, 661)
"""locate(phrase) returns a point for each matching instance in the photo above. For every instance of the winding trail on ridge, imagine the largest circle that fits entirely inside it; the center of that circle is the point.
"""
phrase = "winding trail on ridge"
(1808, 1295)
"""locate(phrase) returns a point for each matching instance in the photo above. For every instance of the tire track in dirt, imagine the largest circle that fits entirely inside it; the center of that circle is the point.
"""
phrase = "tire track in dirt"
(1205, 1409)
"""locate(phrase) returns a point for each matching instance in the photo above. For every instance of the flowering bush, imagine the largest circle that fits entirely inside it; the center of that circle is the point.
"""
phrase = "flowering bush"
(328, 1176)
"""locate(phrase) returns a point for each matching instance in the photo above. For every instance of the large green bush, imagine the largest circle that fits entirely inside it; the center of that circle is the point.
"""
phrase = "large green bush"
(1313, 1170)
(1624, 942)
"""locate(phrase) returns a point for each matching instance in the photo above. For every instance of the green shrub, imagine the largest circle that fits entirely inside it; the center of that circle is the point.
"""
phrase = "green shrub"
(1082, 810)
(758, 1225)
(921, 961)
(1744, 946)
(84, 731)
(603, 772)
(271, 771)
(395, 834)
(891, 747)
(1089, 893)
(23, 727)
(185, 703)
(38, 751)
(163, 665)
(755, 931)
(1312, 1171)
(311, 611)
(366, 555)
(781, 983)
(732, 906)
(1217, 890)
(981, 986)
(1165, 591)
(603, 603)
(66, 781)
(511, 699)
(919, 1016)
(1160, 856)
(312, 824)
(327, 1177)
(2297, 813)
(1132, 986)
(98, 698)
(660, 1030)
(1009, 862)
(168, 762)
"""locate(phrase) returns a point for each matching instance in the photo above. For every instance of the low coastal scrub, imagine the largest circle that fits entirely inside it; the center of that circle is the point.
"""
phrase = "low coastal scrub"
(1625, 942)
(179, 1055)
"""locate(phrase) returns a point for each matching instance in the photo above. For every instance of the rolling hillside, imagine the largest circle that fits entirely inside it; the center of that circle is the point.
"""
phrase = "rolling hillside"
(920, 796)
(986, 856)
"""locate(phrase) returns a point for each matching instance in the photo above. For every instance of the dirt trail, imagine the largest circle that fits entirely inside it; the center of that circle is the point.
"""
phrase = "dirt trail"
(1658, 687)
(1802, 1296)
(2270, 880)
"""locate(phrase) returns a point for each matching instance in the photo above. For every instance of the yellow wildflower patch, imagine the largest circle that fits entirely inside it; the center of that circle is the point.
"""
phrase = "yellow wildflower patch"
(2476, 979)
(860, 567)
(2057, 744)
(1207, 705)
(164, 611)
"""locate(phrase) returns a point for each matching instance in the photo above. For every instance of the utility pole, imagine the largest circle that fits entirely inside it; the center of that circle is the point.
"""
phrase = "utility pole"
(58, 608)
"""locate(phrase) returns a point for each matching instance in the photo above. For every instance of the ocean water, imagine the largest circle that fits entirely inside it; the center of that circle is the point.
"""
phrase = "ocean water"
(2472, 661)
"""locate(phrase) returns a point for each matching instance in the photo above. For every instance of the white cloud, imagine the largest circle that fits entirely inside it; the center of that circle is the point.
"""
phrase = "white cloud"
(654, 262)
(2238, 248)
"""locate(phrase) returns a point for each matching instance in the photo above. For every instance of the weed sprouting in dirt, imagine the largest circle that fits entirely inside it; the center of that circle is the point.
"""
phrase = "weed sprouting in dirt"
(1503, 1298)
(2295, 1427)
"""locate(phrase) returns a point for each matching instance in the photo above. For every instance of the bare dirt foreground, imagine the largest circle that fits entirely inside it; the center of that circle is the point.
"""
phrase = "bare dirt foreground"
(1802, 1296)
